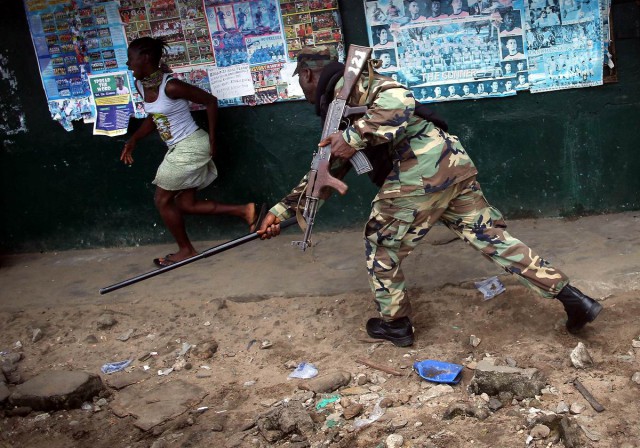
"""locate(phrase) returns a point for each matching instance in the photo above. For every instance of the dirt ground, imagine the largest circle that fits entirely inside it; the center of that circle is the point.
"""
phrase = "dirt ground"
(312, 307)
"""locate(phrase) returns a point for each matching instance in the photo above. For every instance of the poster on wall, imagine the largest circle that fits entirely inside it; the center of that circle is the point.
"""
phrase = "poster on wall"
(114, 104)
(565, 44)
(262, 38)
(180, 23)
(256, 40)
(71, 40)
(446, 50)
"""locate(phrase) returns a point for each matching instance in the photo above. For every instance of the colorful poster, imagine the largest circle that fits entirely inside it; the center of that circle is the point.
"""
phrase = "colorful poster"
(267, 35)
(75, 39)
(72, 40)
(565, 44)
(447, 50)
(114, 104)
(180, 23)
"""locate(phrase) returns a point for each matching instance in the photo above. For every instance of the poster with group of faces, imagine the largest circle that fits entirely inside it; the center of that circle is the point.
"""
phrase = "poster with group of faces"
(447, 50)
(242, 51)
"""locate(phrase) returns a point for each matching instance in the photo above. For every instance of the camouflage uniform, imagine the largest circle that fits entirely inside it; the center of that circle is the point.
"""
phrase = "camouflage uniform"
(433, 179)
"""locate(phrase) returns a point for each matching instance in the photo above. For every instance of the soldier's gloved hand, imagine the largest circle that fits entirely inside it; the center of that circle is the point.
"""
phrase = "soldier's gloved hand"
(339, 148)
(270, 227)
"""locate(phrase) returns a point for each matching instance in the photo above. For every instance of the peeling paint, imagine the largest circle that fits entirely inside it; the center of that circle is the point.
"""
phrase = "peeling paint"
(12, 118)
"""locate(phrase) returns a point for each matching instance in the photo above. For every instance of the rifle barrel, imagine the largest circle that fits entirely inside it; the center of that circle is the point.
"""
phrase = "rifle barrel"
(207, 253)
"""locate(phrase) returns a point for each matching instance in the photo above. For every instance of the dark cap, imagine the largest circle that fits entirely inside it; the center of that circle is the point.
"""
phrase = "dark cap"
(316, 57)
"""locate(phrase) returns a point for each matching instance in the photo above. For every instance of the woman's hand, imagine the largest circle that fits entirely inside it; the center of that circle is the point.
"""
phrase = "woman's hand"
(127, 152)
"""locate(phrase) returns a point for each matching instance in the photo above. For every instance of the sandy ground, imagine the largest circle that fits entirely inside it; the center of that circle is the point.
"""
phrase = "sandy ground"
(312, 307)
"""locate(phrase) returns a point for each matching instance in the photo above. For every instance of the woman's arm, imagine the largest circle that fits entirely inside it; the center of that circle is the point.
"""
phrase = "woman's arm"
(146, 128)
(176, 89)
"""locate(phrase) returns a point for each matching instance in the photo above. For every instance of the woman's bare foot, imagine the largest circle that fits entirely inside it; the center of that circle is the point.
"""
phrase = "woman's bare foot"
(251, 215)
(256, 215)
(170, 259)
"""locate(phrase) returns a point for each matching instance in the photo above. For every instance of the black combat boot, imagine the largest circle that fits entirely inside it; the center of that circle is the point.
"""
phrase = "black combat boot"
(399, 331)
(581, 309)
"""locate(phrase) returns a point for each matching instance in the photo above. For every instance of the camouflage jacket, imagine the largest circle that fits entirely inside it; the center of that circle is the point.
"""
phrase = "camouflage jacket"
(425, 158)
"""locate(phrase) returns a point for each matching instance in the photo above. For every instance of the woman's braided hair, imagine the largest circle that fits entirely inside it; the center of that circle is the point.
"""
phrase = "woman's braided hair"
(154, 47)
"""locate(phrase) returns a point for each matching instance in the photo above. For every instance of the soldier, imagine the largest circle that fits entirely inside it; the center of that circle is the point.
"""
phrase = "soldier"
(430, 178)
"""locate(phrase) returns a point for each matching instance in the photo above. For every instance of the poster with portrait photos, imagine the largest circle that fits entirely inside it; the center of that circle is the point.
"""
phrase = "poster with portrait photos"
(564, 40)
(450, 50)
(464, 49)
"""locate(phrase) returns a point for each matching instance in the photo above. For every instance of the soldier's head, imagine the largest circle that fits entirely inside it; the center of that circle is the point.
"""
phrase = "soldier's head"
(311, 62)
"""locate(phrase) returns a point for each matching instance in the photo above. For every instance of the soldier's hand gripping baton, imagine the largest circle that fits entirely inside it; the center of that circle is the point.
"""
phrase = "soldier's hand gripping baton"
(319, 176)
(207, 253)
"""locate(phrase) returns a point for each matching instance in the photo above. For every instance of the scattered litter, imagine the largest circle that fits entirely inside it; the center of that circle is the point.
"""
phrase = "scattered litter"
(205, 367)
(304, 370)
(490, 287)
(86, 406)
(17, 345)
(200, 410)
(185, 348)
(326, 401)
(438, 371)
(266, 344)
(330, 423)
(147, 356)
(251, 342)
(145, 367)
(115, 366)
(165, 371)
(207, 323)
(375, 415)
(249, 383)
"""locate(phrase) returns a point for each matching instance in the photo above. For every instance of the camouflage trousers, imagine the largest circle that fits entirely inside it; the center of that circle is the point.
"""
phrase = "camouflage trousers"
(397, 225)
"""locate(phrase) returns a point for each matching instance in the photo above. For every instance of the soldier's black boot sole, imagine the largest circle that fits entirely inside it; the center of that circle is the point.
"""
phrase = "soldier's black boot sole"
(581, 309)
(399, 331)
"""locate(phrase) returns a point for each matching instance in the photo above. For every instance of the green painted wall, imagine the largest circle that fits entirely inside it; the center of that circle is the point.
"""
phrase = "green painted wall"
(552, 154)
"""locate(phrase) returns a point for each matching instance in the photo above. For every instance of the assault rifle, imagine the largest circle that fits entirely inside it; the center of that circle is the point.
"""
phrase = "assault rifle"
(319, 177)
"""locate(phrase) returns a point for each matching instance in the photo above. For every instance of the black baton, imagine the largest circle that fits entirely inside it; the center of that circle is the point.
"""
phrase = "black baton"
(207, 253)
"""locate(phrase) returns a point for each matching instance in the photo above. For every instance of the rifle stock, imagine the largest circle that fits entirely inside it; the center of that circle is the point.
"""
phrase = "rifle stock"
(207, 253)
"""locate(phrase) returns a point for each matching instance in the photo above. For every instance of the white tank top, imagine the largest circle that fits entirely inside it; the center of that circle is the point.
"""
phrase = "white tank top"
(172, 117)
